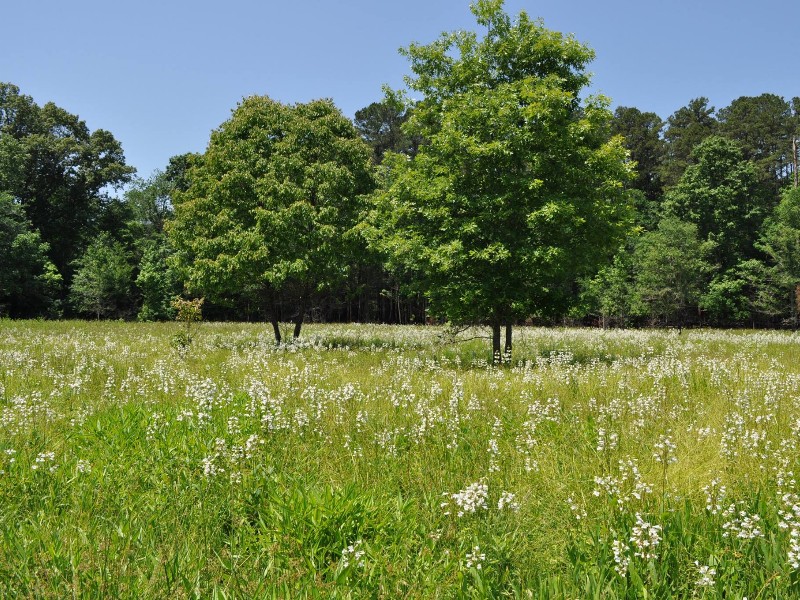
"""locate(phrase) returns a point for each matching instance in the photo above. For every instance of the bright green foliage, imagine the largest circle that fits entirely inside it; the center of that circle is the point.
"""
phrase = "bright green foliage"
(720, 194)
(672, 269)
(157, 282)
(270, 205)
(58, 170)
(609, 293)
(103, 277)
(780, 241)
(519, 189)
(29, 283)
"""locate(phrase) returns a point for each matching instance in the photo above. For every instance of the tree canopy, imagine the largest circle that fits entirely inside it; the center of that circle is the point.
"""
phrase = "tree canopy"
(58, 170)
(270, 205)
(519, 188)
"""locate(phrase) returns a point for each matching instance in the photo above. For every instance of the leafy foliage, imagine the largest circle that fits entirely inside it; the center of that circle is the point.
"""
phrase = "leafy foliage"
(720, 194)
(519, 188)
(29, 282)
(671, 270)
(103, 280)
(58, 170)
(270, 205)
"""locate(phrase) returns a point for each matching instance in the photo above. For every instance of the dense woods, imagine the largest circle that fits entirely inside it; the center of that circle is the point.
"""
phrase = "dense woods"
(502, 196)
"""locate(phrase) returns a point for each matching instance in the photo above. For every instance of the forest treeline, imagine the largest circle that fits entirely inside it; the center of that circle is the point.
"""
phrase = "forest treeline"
(281, 217)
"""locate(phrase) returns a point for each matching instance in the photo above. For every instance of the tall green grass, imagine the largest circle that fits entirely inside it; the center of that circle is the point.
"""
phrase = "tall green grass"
(376, 461)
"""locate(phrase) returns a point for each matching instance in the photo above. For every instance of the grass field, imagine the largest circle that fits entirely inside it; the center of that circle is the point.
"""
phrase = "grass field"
(390, 462)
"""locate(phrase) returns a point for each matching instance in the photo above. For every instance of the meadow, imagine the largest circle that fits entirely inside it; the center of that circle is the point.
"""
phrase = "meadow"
(374, 461)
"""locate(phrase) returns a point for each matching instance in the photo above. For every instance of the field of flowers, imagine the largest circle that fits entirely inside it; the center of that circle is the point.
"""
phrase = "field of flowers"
(388, 462)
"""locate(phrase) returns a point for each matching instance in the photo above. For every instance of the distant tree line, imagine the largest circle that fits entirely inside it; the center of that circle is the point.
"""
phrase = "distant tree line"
(500, 197)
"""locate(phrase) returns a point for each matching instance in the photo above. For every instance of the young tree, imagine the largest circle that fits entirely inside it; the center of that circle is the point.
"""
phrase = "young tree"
(157, 281)
(269, 206)
(609, 293)
(519, 188)
(102, 282)
(671, 270)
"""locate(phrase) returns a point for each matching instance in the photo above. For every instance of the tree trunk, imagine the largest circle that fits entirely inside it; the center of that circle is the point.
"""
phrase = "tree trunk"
(497, 357)
(277, 329)
(507, 352)
(298, 323)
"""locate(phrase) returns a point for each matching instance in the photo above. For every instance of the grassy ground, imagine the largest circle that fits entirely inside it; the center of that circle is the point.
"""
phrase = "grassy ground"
(388, 462)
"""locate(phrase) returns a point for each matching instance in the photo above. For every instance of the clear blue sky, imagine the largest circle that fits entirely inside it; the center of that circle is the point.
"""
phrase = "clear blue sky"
(161, 75)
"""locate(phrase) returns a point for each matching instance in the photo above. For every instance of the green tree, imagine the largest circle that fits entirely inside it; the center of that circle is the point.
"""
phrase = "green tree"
(518, 190)
(686, 128)
(58, 170)
(609, 293)
(29, 282)
(157, 281)
(742, 293)
(270, 206)
(721, 194)
(780, 242)
(150, 201)
(103, 279)
(671, 271)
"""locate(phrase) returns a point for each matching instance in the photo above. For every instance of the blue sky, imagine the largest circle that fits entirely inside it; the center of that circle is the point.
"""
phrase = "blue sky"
(161, 75)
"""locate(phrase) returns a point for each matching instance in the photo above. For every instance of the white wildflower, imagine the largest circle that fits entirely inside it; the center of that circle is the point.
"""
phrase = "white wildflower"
(472, 498)
(475, 558)
(353, 554)
(645, 538)
(507, 500)
(707, 575)
(621, 558)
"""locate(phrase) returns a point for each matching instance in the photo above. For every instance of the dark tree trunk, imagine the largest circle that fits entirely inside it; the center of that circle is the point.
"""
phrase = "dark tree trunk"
(507, 353)
(274, 313)
(301, 313)
(497, 356)
(297, 325)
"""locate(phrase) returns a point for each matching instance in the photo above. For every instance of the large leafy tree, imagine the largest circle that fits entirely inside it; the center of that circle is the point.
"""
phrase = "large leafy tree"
(29, 282)
(269, 206)
(58, 170)
(721, 194)
(519, 188)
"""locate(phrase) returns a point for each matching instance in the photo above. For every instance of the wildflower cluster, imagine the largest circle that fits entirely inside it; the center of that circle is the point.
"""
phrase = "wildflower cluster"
(469, 500)
(353, 554)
